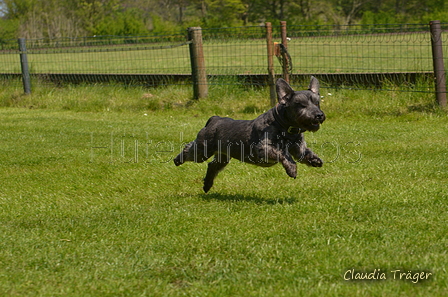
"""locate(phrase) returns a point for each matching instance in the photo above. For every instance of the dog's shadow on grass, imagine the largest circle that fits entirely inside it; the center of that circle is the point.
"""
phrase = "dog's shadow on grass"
(246, 198)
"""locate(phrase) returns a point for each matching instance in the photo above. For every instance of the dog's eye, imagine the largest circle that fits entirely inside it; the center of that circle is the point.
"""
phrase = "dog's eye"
(317, 103)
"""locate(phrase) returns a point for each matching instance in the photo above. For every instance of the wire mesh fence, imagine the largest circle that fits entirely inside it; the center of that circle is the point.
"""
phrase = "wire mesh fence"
(148, 60)
(235, 51)
(354, 55)
(362, 56)
(362, 53)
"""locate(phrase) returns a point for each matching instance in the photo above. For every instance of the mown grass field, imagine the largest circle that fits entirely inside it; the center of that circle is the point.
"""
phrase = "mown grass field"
(91, 204)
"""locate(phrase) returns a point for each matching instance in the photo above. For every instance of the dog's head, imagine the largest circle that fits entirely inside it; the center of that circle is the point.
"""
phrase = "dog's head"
(302, 107)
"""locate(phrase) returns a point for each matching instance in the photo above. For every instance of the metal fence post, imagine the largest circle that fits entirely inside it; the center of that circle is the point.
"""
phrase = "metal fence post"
(271, 78)
(437, 58)
(26, 80)
(198, 71)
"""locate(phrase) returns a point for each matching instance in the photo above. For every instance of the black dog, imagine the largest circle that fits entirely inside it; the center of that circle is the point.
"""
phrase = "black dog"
(275, 136)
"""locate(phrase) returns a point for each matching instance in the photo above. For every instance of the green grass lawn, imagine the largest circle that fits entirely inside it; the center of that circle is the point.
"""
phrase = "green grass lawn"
(91, 204)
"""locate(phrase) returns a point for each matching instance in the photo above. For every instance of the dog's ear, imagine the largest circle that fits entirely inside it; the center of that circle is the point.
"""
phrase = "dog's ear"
(314, 85)
(283, 89)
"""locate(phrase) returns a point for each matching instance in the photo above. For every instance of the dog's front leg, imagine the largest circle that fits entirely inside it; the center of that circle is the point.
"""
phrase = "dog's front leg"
(304, 155)
(311, 159)
(284, 157)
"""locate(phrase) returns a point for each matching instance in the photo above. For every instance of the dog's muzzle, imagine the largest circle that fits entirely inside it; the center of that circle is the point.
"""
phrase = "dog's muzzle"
(315, 123)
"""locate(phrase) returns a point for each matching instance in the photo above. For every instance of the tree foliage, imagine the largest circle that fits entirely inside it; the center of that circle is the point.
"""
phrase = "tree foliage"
(71, 18)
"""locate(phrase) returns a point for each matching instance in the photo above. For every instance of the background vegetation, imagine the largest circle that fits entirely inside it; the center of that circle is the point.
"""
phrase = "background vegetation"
(59, 18)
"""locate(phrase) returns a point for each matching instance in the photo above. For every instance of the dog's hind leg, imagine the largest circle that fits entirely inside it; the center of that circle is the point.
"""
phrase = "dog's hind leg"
(214, 167)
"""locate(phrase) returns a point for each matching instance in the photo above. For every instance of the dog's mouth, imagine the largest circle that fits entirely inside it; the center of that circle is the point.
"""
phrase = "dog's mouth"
(311, 124)
(314, 125)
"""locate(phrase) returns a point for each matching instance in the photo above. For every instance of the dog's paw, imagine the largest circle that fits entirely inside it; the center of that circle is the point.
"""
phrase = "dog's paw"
(207, 185)
(291, 170)
(315, 161)
(178, 160)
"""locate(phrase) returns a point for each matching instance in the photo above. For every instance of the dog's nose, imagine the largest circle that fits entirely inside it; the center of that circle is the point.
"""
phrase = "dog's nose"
(320, 117)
